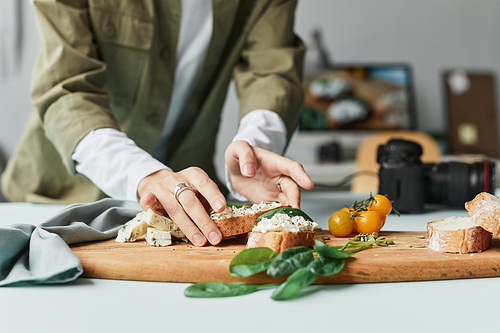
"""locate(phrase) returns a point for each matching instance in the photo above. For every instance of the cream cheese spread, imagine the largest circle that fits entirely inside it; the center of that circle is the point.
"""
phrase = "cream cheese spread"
(283, 223)
(232, 211)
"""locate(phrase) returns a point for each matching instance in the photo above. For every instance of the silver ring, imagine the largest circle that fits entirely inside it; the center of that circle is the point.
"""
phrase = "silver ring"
(278, 183)
(181, 187)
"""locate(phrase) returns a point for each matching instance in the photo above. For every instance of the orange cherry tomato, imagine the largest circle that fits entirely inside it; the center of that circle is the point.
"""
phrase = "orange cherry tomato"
(354, 229)
(382, 204)
(369, 221)
(351, 211)
(383, 220)
(340, 223)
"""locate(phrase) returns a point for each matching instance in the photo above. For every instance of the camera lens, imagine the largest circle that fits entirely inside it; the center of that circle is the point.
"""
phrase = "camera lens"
(399, 152)
(454, 183)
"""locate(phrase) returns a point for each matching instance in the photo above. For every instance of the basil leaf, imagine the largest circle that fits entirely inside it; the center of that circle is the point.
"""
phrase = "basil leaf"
(235, 205)
(300, 279)
(324, 266)
(330, 252)
(251, 261)
(218, 289)
(284, 210)
(247, 205)
(289, 261)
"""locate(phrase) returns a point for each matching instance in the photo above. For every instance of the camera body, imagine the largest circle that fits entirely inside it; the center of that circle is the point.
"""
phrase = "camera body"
(411, 184)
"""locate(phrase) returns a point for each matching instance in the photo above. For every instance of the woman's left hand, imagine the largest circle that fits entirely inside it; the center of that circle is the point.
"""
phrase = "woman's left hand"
(255, 173)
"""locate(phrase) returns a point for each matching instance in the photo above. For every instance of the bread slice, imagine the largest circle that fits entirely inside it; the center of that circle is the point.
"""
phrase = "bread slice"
(281, 241)
(484, 209)
(241, 220)
(281, 232)
(457, 235)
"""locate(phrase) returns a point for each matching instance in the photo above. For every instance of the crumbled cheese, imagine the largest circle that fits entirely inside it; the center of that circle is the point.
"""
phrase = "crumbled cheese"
(157, 237)
(133, 229)
(164, 223)
(140, 224)
(232, 211)
(283, 222)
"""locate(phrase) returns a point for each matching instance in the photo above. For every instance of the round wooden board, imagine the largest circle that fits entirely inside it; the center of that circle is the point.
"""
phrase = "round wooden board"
(183, 262)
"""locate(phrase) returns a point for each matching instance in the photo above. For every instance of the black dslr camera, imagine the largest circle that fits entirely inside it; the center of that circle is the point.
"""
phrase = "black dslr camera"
(410, 183)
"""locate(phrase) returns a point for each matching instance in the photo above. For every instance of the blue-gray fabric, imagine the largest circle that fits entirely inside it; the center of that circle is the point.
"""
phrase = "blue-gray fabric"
(41, 254)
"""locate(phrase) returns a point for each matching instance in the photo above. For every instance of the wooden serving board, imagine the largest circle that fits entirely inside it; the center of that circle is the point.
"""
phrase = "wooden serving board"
(183, 262)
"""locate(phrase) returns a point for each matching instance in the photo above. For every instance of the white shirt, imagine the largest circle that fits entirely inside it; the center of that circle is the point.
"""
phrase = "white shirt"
(115, 164)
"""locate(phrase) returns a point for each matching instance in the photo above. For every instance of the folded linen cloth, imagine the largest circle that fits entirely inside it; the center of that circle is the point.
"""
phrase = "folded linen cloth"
(41, 255)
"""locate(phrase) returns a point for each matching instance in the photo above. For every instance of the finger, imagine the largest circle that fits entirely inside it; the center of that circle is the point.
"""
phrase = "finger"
(244, 155)
(149, 201)
(206, 189)
(291, 191)
(194, 208)
(296, 171)
(161, 196)
(179, 216)
(287, 167)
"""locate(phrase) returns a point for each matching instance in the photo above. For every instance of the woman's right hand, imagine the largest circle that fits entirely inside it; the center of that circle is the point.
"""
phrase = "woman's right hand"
(190, 212)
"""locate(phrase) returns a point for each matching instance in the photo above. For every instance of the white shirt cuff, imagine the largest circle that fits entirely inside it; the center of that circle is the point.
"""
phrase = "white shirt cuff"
(260, 128)
(114, 163)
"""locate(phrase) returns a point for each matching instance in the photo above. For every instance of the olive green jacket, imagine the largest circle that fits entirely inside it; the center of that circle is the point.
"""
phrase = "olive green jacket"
(111, 63)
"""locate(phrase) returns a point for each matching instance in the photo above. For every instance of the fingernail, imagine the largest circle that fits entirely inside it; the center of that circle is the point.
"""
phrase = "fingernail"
(198, 240)
(248, 170)
(152, 198)
(219, 205)
(214, 237)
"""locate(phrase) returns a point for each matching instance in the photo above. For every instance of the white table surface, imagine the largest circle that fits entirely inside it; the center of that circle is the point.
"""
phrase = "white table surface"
(94, 305)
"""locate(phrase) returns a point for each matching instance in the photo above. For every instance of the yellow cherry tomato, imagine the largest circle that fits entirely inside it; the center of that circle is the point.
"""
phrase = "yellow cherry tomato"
(369, 221)
(340, 223)
(381, 204)
(351, 211)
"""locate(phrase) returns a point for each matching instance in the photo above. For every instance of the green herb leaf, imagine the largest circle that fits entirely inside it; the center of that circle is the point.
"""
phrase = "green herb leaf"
(300, 279)
(285, 210)
(324, 266)
(217, 289)
(251, 261)
(330, 252)
(290, 260)
(247, 205)
(235, 205)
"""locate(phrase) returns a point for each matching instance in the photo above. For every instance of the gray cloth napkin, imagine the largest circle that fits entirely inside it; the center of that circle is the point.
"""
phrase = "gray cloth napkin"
(41, 255)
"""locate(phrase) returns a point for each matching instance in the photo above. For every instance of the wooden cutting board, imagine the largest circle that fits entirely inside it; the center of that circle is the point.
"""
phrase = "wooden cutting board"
(182, 262)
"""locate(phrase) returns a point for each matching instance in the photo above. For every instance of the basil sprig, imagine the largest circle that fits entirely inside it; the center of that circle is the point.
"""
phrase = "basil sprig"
(300, 279)
(303, 265)
(290, 260)
(248, 262)
(285, 210)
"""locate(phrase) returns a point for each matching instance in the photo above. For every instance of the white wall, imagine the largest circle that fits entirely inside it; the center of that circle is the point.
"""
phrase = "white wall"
(431, 35)
(15, 72)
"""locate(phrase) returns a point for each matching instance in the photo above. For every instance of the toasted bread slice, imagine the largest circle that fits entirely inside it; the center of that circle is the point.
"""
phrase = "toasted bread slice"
(457, 235)
(280, 241)
(282, 231)
(241, 220)
(484, 209)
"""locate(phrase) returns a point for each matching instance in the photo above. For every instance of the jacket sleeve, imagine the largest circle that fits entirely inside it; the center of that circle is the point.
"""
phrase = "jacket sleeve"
(67, 86)
(270, 71)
